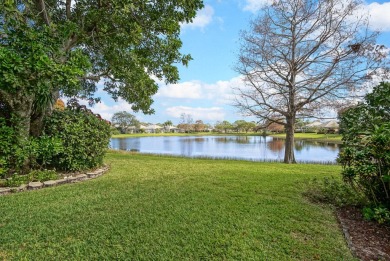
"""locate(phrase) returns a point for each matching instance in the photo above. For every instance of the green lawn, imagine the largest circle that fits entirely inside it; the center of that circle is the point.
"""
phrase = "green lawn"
(313, 136)
(165, 208)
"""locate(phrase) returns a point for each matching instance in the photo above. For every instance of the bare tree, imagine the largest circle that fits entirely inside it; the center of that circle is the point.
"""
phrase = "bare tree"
(301, 56)
(186, 122)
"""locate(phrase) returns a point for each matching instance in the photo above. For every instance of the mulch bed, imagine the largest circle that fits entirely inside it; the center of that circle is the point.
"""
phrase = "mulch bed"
(367, 240)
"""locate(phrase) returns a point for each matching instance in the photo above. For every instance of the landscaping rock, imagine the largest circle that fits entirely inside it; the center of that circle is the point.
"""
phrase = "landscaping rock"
(50, 183)
(99, 172)
(62, 181)
(4, 191)
(22, 187)
(72, 179)
(35, 185)
(91, 175)
(81, 177)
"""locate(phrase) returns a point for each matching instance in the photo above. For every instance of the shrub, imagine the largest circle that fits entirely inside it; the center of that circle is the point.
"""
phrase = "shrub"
(14, 153)
(84, 137)
(115, 131)
(365, 156)
(334, 191)
(379, 214)
(35, 175)
(18, 156)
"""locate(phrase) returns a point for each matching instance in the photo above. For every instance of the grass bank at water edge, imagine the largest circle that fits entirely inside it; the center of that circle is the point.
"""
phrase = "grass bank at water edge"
(164, 208)
(333, 138)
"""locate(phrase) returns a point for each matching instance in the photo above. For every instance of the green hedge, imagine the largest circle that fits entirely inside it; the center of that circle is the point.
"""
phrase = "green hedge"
(365, 156)
(84, 135)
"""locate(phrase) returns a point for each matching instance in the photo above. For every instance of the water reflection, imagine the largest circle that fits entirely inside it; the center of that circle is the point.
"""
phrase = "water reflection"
(239, 147)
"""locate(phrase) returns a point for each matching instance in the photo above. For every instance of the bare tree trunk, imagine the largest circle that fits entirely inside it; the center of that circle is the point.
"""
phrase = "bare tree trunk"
(289, 156)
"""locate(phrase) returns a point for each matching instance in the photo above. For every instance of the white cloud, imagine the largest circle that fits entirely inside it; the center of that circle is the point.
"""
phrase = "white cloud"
(379, 16)
(186, 90)
(203, 101)
(203, 18)
(205, 114)
(220, 92)
(107, 111)
(256, 5)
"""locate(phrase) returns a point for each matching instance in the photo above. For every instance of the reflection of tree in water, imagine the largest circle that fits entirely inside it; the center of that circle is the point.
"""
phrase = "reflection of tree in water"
(234, 139)
(301, 144)
(132, 144)
(276, 145)
(199, 139)
(186, 146)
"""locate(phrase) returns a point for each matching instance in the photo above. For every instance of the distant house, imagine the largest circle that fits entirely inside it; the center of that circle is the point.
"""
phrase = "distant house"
(129, 129)
(331, 126)
(151, 128)
(312, 127)
(171, 129)
(314, 124)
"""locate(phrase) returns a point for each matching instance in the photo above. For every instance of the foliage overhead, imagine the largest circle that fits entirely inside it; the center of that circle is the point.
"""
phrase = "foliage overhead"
(123, 41)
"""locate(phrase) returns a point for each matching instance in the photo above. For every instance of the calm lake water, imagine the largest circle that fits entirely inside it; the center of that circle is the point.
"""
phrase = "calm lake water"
(232, 147)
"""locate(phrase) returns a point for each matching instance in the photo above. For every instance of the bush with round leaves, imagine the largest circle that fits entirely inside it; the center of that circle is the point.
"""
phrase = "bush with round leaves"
(365, 156)
(84, 135)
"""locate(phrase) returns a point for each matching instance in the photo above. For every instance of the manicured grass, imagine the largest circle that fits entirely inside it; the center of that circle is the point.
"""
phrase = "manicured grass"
(313, 137)
(164, 208)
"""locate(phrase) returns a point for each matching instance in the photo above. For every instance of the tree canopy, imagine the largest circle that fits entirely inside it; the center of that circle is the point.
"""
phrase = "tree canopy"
(51, 48)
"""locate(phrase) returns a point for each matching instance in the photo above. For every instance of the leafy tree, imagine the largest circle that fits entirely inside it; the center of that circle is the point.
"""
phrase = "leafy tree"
(199, 126)
(365, 156)
(123, 120)
(303, 55)
(240, 125)
(224, 126)
(52, 48)
(167, 125)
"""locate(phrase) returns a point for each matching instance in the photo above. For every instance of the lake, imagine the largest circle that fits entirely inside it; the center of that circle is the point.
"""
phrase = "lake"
(255, 148)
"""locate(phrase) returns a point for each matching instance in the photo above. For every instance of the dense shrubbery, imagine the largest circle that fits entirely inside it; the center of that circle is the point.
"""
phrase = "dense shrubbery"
(17, 156)
(74, 139)
(84, 137)
(366, 154)
(334, 191)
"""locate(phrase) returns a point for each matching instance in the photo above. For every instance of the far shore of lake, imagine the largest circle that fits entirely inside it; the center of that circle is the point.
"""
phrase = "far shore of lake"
(332, 138)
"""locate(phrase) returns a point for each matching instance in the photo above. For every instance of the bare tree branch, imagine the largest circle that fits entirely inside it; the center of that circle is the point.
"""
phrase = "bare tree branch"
(44, 12)
(302, 56)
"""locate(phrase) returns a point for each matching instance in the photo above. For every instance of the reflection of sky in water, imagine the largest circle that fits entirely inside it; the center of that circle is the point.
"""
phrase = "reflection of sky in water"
(239, 147)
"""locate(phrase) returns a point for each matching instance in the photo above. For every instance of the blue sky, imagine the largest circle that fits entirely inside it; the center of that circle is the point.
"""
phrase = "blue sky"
(204, 89)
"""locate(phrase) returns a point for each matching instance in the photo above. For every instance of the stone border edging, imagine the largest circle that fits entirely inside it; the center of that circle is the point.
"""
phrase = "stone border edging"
(347, 236)
(51, 183)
